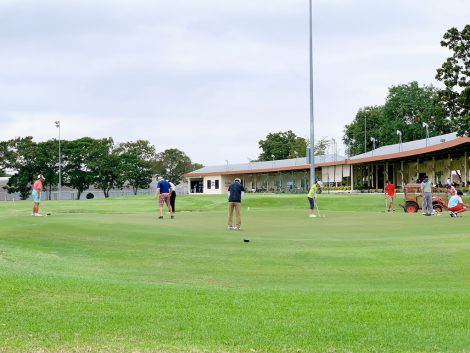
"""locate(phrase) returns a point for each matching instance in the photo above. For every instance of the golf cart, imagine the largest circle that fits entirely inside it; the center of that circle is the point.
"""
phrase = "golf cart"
(414, 199)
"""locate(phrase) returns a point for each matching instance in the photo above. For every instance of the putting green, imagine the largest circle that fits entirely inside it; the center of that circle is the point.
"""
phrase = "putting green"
(108, 276)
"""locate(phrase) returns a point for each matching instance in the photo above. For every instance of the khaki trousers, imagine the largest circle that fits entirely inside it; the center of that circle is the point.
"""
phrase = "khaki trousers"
(234, 206)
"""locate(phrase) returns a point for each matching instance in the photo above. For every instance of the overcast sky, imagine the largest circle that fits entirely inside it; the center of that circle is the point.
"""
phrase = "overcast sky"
(209, 77)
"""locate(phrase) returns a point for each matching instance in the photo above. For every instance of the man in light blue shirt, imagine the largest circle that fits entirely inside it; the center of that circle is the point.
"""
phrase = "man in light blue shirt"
(426, 192)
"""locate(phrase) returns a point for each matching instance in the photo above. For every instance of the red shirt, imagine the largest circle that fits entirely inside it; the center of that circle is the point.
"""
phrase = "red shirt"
(390, 189)
(37, 185)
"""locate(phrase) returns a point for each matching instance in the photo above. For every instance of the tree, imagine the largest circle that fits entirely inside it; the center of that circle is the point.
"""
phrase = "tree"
(20, 155)
(47, 160)
(282, 145)
(455, 74)
(196, 166)
(76, 159)
(407, 107)
(20, 183)
(171, 164)
(106, 166)
(3, 154)
(136, 163)
(321, 146)
(366, 124)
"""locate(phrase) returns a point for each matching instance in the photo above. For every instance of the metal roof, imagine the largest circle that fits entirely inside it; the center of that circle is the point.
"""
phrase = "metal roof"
(395, 151)
(407, 146)
(267, 165)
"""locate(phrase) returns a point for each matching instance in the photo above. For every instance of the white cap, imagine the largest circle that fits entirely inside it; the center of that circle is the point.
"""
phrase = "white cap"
(40, 176)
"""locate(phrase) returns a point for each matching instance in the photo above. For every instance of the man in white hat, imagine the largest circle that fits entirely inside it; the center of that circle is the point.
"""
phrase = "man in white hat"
(37, 188)
(235, 193)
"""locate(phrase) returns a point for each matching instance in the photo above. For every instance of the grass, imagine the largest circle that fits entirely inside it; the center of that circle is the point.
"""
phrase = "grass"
(107, 276)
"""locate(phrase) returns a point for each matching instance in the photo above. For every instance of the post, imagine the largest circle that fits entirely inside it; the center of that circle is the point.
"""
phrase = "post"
(365, 134)
(351, 176)
(57, 124)
(402, 179)
(426, 126)
(312, 139)
(417, 169)
(466, 169)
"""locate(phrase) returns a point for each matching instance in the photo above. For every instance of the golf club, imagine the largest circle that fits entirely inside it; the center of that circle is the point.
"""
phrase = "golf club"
(318, 210)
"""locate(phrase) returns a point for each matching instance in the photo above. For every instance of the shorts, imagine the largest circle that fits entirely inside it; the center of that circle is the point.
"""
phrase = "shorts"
(312, 203)
(36, 198)
(456, 208)
(164, 198)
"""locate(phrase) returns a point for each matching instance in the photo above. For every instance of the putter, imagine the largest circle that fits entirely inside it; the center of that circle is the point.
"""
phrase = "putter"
(318, 210)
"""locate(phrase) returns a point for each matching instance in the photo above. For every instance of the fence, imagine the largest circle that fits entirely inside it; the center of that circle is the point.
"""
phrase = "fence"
(72, 194)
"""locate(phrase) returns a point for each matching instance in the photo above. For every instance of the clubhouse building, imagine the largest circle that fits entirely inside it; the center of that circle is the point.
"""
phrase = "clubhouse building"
(441, 158)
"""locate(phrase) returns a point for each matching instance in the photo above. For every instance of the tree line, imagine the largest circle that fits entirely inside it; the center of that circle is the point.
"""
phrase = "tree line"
(87, 162)
(410, 105)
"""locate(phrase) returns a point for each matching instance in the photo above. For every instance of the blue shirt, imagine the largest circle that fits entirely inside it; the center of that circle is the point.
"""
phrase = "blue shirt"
(164, 186)
(235, 190)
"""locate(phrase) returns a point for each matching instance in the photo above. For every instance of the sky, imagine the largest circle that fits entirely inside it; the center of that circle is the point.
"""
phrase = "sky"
(209, 77)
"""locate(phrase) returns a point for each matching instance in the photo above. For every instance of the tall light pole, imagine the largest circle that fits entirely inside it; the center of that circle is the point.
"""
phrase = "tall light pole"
(365, 134)
(57, 125)
(426, 126)
(312, 139)
(372, 139)
(399, 141)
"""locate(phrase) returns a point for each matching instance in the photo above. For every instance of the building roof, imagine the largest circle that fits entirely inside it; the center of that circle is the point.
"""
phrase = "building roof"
(407, 146)
(267, 166)
(390, 152)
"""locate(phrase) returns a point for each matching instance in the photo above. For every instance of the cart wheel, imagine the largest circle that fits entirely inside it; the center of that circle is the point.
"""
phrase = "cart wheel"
(437, 208)
(411, 207)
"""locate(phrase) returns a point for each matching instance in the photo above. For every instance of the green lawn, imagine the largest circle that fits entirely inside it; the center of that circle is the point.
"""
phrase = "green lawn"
(108, 276)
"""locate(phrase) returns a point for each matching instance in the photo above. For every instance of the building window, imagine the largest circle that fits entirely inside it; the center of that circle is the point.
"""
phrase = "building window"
(208, 184)
(217, 184)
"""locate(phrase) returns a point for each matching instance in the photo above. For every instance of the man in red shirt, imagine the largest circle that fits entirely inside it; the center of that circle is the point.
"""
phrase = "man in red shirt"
(390, 195)
(37, 188)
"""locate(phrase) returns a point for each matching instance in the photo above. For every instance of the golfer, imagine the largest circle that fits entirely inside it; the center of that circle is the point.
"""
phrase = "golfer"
(456, 205)
(172, 196)
(37, 188)
(235, 193)
(426, 193)
(390, 195)
(311, 196)
(163, 195)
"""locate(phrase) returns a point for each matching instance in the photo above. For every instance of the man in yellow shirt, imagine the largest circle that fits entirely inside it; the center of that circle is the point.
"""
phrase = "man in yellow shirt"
(312, 195)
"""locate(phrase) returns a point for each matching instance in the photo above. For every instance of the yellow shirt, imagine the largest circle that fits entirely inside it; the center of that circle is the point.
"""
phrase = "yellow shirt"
(313, 191)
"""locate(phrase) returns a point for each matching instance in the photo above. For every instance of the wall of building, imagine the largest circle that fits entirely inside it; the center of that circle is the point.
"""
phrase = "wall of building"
(213, 185)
